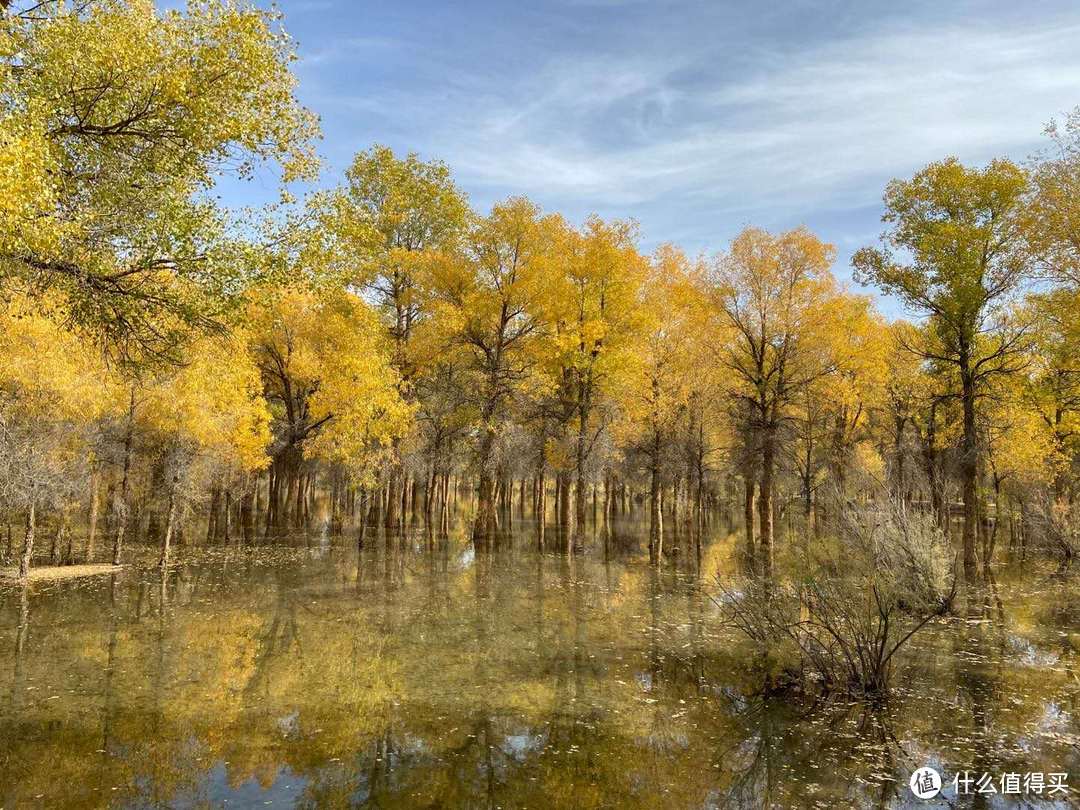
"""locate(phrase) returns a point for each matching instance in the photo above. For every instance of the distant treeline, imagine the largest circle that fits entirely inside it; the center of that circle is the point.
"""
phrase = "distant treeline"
(174, 370)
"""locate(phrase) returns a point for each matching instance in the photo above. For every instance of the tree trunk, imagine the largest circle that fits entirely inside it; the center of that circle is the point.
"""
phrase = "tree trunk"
(933, 471)
(28, 542)
(700, 495)
(298, 503)
(541, 507)
(66, 533)
(656, 515)
(272, 494)
(247, 514)
(765, 499)
(807, 497)
(969, 466)
(484, 528)
(364, 498)
(563, 481)
(393, 487)
(444, 503)
(582, 458)
(431, 492)
(170, 522)
(414, 498)
(54, 546)
(899, 482)
(226, 534)
(122, 510)
(997, 522)
(485, 510)
(212, 518)
(749, 489)
(257, 504)
(91, 537)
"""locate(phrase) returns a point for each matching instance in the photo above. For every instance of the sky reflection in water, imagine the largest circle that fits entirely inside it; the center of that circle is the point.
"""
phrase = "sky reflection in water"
(435, 678)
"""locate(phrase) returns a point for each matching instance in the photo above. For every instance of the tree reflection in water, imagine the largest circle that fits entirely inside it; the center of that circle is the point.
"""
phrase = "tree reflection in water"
(420, 674)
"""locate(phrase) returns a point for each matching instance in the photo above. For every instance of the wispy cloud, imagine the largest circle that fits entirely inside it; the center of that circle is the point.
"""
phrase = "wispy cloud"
(694, 118)
(809, 128)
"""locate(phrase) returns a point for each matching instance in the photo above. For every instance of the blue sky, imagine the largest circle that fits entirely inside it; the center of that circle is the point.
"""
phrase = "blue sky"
(693, 118)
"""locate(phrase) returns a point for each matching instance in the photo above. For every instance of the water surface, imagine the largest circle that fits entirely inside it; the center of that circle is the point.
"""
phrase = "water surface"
(420, 675)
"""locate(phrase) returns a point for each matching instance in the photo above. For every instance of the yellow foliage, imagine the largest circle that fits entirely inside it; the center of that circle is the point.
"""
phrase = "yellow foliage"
(115, 119)
(330, 365)
(215, 403)
(666, 357)
(46, 370)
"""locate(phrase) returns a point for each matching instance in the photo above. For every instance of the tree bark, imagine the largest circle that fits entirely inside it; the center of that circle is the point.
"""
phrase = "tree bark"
(28, 542)
(122, 510)
(91, 537)
(969, 466)
(656, 515)
(170, 521)
(765, 500)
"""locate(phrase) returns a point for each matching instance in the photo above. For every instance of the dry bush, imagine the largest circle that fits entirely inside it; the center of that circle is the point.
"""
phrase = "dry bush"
(1058, 524)
(852, 603)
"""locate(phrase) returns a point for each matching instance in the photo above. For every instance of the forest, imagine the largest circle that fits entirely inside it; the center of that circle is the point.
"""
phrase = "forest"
(372, 360)
(370, 426)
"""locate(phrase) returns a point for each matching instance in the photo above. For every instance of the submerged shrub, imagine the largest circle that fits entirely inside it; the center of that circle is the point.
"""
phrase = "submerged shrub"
(852, 604)
(1059, 527)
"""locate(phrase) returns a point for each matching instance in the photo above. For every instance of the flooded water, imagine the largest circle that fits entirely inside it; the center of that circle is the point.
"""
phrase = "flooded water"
(413, 677)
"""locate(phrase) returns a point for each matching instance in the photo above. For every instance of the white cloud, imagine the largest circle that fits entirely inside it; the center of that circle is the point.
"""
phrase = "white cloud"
(698, 123)
(811, 128)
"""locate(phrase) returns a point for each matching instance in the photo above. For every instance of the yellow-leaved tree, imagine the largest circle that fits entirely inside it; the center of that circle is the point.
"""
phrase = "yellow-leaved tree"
(116, 118)
(655, 401)
(491, 298)
(333, 393)
(596, 322)
(954, 251)
(52, 387)
(209, 413)
(776, 293)
(382, 228)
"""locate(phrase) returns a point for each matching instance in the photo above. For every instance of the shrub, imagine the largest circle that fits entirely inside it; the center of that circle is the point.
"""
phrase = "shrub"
(1060, 525)
(852, 604)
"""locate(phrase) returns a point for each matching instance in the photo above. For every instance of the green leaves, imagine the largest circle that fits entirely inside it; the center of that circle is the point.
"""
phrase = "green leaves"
(954, 244)
(115, 122)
